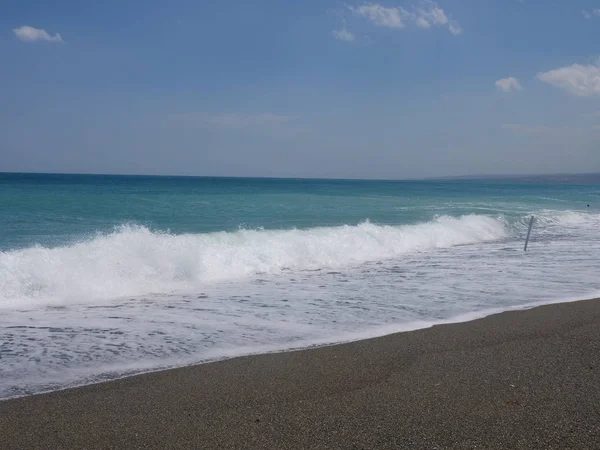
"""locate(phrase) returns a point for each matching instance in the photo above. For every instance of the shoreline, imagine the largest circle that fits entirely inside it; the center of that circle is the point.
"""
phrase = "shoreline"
(349, 339)
(524, 371)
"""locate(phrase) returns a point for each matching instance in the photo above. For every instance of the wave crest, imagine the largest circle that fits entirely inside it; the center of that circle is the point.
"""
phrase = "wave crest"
(134, 260)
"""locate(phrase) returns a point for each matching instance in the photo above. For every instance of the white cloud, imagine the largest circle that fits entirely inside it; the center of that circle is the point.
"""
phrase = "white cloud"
(429, 13)
(509, 84)
(434, 15)
(592, 13)
(580, 80)
(381, 16)
(455, 28)
(422, 22)
(30, 34)
(425, 15)
(343, 35)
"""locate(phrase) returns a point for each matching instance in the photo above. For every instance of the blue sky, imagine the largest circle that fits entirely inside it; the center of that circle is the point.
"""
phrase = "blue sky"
(307, 88)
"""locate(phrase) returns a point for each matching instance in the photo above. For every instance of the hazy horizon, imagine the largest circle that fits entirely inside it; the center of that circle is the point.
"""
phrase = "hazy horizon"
(497, 176)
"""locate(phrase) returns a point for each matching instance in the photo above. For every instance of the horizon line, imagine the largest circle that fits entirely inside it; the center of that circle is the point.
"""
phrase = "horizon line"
(430, 178)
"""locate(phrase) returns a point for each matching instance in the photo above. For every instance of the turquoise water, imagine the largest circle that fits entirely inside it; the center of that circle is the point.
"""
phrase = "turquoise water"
(53, 210)
(106, 276)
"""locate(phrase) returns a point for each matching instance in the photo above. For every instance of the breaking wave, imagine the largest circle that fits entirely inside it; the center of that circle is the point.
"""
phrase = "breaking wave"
(133, 260)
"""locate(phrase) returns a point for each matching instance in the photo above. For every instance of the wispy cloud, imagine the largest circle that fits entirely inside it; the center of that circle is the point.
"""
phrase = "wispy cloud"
(343, 35)
(591, 14)
(241, 121)
(260, 122)
(380, 15)
(593, 115)
(528, 129)
(426, 14)
(544, 130)
(31, 34)
(431, 14)
(580, 80)
(509, 84)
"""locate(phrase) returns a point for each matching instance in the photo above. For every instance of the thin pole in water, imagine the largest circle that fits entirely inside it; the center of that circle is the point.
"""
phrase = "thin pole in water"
(529, 233)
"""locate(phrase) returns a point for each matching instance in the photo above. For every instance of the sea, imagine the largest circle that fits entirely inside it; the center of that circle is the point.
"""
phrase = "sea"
(103, 277)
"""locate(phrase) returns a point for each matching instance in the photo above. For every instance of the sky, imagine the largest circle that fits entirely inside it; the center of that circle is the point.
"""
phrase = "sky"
(311, 88)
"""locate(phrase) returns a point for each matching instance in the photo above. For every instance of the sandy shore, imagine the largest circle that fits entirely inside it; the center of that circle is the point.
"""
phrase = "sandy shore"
(517, 380)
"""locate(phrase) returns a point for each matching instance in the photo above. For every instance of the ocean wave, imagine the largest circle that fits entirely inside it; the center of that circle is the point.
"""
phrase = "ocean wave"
(565, 218)
(134, 260)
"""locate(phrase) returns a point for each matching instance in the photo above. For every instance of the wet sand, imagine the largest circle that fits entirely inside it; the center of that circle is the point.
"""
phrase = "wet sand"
(516, 380)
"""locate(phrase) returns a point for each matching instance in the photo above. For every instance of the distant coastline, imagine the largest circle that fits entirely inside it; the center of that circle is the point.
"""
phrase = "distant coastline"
(573, 178)
(566, 178)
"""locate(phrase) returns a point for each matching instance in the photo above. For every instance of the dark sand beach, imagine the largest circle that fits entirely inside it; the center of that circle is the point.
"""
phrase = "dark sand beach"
(517, 380)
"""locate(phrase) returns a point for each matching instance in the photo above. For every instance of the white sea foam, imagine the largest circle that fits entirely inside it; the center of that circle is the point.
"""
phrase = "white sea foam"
(134, 260)
(255, 291)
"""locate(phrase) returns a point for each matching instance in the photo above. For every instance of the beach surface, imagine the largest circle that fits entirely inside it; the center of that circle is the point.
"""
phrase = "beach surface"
(517, 380)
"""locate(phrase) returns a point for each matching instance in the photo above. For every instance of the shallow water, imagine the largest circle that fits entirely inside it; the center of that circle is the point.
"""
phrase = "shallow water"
(101, 277)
